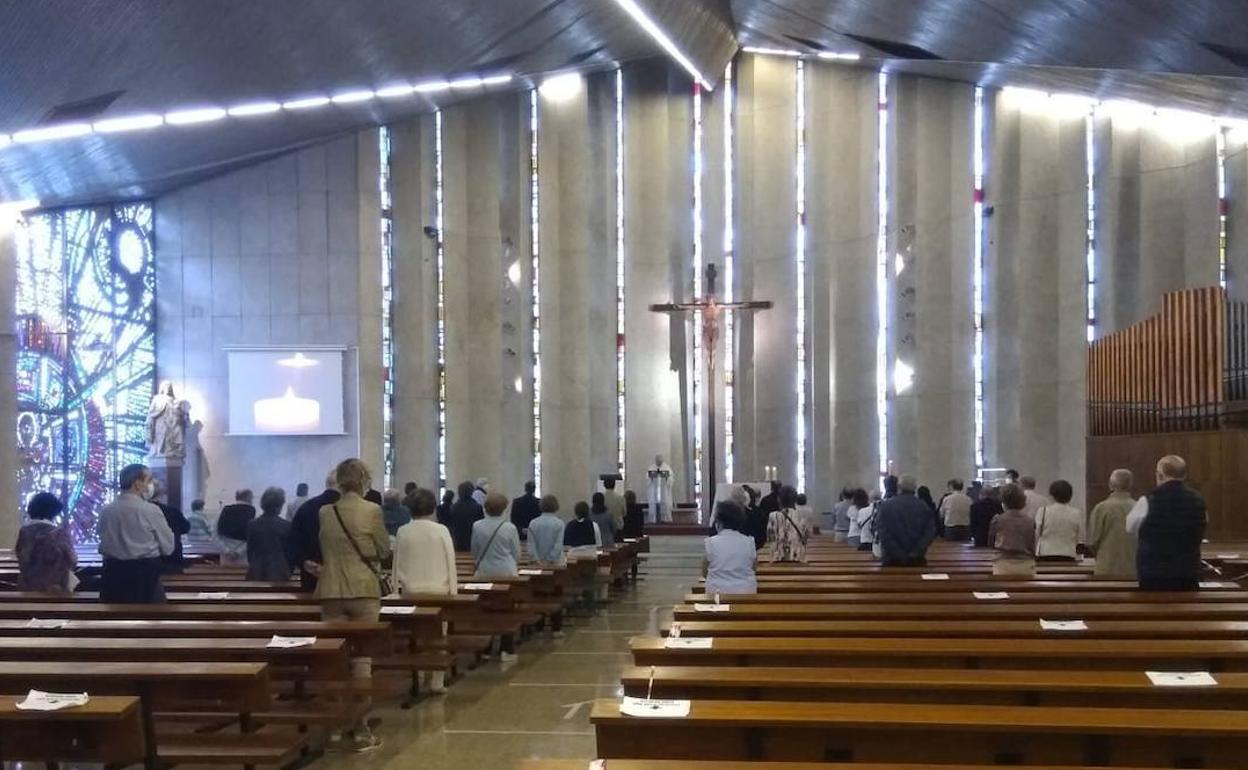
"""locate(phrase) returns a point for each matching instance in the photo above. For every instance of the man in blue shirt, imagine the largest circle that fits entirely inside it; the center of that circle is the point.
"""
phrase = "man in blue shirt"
(133, 537)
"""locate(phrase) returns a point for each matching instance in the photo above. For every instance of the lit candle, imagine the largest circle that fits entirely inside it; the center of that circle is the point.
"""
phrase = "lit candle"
(287, 414)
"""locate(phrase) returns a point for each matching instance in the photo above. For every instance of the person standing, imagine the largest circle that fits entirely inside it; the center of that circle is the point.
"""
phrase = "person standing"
(866, 523)
(393, 512)
(581, 532)
(955, 513)
(1013, 535)
(268, 535)
(177, 524)
(905, 527)
(525, 508)
(133, 536)
(45, 555)
(787, 531)
(601, 516)
(983, 511)
(301, 497)
(615, 503)
(495, 542)
(354, 544)
(858, 501)
(837, 522)
(1170, 523)
(1061, 529)
(305, 533)
(1035, 500)
(462, 516)
(546, 536)
(1108, 540)
(424, 561)
(232, 527)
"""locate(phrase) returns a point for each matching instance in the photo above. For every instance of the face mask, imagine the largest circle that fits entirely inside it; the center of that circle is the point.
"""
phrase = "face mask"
(150, 490)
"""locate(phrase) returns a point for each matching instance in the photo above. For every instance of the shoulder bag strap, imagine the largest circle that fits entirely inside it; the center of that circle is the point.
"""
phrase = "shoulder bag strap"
(354, 545)
(488, 543)
(800, 536)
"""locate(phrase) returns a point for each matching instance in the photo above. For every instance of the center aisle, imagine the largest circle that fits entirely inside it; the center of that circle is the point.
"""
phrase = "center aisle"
(500, 714)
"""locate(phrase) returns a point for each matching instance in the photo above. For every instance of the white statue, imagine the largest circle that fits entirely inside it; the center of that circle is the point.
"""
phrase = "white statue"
(167, 420)
(660, 475)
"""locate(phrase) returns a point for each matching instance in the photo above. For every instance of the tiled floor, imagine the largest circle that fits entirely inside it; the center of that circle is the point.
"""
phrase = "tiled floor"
(539, 706)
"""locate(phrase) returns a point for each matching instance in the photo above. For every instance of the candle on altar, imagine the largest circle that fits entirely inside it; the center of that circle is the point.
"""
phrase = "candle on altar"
(287, 414)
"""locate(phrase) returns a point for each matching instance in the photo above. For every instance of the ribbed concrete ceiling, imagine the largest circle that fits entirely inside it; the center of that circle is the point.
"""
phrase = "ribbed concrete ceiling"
(158, 55)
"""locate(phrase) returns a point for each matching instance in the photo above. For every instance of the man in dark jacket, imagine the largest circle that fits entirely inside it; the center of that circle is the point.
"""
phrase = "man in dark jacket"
(305, 534)
(1170, 523)
(904, 527)
(525, 509)
(234, 518)
(177, 524)
(463, 514)
(770, 501)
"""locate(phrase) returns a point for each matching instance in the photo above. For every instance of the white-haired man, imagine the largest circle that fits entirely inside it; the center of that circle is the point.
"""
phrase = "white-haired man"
(1108, 539)
(1170, 523)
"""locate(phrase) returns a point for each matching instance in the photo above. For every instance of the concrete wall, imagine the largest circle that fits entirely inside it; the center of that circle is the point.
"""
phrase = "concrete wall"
(284, 252)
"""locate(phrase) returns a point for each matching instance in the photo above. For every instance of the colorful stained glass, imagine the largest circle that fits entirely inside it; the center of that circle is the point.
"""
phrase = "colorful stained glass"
(86, 352)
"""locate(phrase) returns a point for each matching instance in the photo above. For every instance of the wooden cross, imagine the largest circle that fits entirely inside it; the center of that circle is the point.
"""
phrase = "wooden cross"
(710, 307)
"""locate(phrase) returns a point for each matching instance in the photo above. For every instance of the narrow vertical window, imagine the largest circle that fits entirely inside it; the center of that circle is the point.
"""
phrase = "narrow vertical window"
(440, 222)
(881, 271)
(697, 293)
(1089, 152)
(977, 272)
(387, 307)
(621, 422)
(800, 259)
(729, 279)
(535, 210)
(1220, 138)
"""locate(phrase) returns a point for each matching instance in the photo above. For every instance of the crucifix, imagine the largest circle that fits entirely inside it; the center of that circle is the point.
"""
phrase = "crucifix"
(711, 308)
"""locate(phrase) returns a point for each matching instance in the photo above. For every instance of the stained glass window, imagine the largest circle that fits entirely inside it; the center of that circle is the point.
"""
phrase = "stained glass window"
(86, 352)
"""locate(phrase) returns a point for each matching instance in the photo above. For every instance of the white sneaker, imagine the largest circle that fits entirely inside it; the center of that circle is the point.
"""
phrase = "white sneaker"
(507, 657)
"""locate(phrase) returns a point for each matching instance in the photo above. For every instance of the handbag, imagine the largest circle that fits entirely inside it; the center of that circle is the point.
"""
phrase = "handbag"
(800, 537)
(383, 581)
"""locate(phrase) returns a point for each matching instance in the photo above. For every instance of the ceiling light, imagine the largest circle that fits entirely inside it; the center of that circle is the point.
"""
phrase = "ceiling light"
(188, 117)
(351, 97)
(432, 86)
(25, 204)
(306, 103)
(770, 51)
(396, 91)
(903, 376)
(469, 82)
(50, 133)
(5, 140)
(652, 29)
(513, 272)
(128, 123)
(496, 80)
(839, 56)
(253, 108)
(561, 88)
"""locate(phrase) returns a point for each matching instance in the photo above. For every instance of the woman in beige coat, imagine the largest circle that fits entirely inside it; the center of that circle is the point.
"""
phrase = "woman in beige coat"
(354, 544)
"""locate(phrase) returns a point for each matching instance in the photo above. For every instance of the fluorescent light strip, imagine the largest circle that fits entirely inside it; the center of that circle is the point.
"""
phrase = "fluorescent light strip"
(52, 133)
(432, 87)
(620, 403)
(128, 123)
(764, 51)
(1089, 147)
(1220, 141)
(306, 103)
(977, 274)
(387, 307)
(468, 82)
(800, 268)
(495, 80)
(440, 268)
(729, 269)
(660, 37)
(790, 53)
(252, 109)
(698, 374)
(881, 273)
(194, 116)
(5, 140)
(352, 97)
(396, 91)
(535, 211)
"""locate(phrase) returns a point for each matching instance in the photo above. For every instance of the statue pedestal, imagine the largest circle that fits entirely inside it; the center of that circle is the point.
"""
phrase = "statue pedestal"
(168, 471)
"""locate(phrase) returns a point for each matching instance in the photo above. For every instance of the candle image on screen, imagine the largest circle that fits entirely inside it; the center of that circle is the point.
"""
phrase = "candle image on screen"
(287, 414)
(298, 361)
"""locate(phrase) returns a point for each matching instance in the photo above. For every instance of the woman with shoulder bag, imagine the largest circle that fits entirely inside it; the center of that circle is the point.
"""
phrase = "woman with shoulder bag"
(354, 546)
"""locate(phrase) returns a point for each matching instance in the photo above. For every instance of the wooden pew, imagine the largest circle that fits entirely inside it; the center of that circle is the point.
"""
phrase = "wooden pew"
(684, 764)
(890, 732)
(883, 584)
(1064, 650)
(984, 629)
(108, 730)
(984, 610)
(1076, 599)
(1131, 689)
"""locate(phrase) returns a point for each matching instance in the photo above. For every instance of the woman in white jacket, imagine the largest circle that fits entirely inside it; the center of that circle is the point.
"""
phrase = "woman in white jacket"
(858, 501)
(424, 560)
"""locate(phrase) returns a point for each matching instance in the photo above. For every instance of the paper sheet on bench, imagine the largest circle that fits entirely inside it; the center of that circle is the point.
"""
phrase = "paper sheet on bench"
(213, 595)
(530, 572)
(688, 643)
(291, 641)
(1227, 556)
(477, 586)
(935, 576)
(409, 609)
(641, 707)
(1217, 584)
(711, 607)
(1063, 625)
(990, 594)
(38, 700)
(47, 623)
(1182, 678)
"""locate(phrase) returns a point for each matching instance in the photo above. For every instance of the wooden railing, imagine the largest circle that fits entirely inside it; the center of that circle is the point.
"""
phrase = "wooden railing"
(1184, 369)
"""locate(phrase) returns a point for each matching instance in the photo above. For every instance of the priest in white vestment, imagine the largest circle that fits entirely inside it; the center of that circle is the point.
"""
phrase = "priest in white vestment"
(660, 475)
